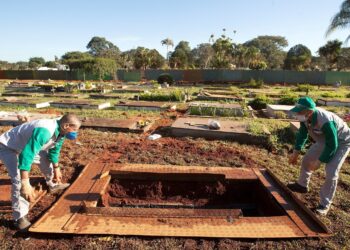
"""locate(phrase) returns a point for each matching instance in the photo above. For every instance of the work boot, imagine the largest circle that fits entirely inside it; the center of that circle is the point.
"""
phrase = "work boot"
(22, 224)
(58, 187)
(322, 210)
(296, 187)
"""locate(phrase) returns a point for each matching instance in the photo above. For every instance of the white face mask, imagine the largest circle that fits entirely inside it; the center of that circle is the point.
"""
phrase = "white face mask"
(301, 118)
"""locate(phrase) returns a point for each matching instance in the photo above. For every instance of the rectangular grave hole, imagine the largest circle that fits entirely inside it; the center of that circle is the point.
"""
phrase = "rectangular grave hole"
(188, 190)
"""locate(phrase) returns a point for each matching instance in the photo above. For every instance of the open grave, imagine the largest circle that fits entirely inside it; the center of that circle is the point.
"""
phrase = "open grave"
(133, 125)
(334, 102)
(180, 201)
(274, 111)
(82, 104)
(215, 109)
(14, 101)
(230, 130)
(143, 105)
(5, 192)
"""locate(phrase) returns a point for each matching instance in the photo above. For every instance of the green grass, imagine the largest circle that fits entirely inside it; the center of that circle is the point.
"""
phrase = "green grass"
(176, 94)
(213, 111)
(278, 132)
(105, 113)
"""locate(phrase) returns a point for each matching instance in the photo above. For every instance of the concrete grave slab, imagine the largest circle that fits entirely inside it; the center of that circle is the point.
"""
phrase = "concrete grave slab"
(334, 102)
(14, 101)
(81, 104)
(230, 130)
(14, 119)
(144, 105)
(272, 110)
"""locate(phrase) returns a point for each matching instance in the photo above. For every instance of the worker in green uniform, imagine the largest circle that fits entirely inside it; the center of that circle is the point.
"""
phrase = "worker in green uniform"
(331, 136)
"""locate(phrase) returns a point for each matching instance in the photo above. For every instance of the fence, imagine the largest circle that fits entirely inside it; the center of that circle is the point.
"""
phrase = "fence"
(217, 75)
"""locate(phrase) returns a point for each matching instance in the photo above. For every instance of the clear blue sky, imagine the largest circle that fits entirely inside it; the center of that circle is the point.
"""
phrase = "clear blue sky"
(49, 28)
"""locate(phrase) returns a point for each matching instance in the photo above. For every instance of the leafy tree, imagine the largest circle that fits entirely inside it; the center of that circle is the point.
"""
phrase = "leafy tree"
(144, 58)
(100, 47)
(156, 59)
(271, 49)
(76, 55)
(318, 63)
(341, 20)
(298, 58)
(50, 64)
(223, 48)
(100, 66)
(344, 59)
(331, 52)
(244, 55)
(257, 65)
(202, 55)
(5, 65)
(35, 62)
(240, 55)
(76, 59)
(20, 66)
(181, 57)
(127, 59)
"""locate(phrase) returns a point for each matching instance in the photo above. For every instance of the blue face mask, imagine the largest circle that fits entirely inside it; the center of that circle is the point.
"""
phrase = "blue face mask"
(72, 135)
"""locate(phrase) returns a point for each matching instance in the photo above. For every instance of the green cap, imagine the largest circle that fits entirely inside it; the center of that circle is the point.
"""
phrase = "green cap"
(304, 103)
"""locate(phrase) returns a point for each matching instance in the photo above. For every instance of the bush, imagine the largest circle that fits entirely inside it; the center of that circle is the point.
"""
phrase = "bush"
(177, 95)
(165, 78)
(281, 115)
(305, 88)
(260, 102)
(204, 110)
(253, 84)
(288, 99)
(257, 65)
(331, 95)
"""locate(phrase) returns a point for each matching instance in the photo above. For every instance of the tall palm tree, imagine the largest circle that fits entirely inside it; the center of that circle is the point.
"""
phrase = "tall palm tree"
(341, 20)
(168, 42)
(211, 38)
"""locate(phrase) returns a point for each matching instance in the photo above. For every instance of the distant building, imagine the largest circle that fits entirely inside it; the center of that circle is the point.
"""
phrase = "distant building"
(58, 67)
(46, 68)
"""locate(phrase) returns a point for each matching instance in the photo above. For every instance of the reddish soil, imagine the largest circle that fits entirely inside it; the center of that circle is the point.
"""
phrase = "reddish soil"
(155, 192)
(182, 151)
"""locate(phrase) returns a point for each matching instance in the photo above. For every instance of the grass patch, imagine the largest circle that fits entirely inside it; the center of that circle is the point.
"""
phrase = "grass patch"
(204, 110)
(278, 132)
(173, 95)
(260, 102)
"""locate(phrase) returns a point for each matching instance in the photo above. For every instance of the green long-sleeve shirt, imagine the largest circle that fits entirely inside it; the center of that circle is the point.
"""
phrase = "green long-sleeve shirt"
(329, 130)
(40, 137)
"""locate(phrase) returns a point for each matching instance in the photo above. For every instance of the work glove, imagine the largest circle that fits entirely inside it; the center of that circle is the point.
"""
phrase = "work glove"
(27, 191)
